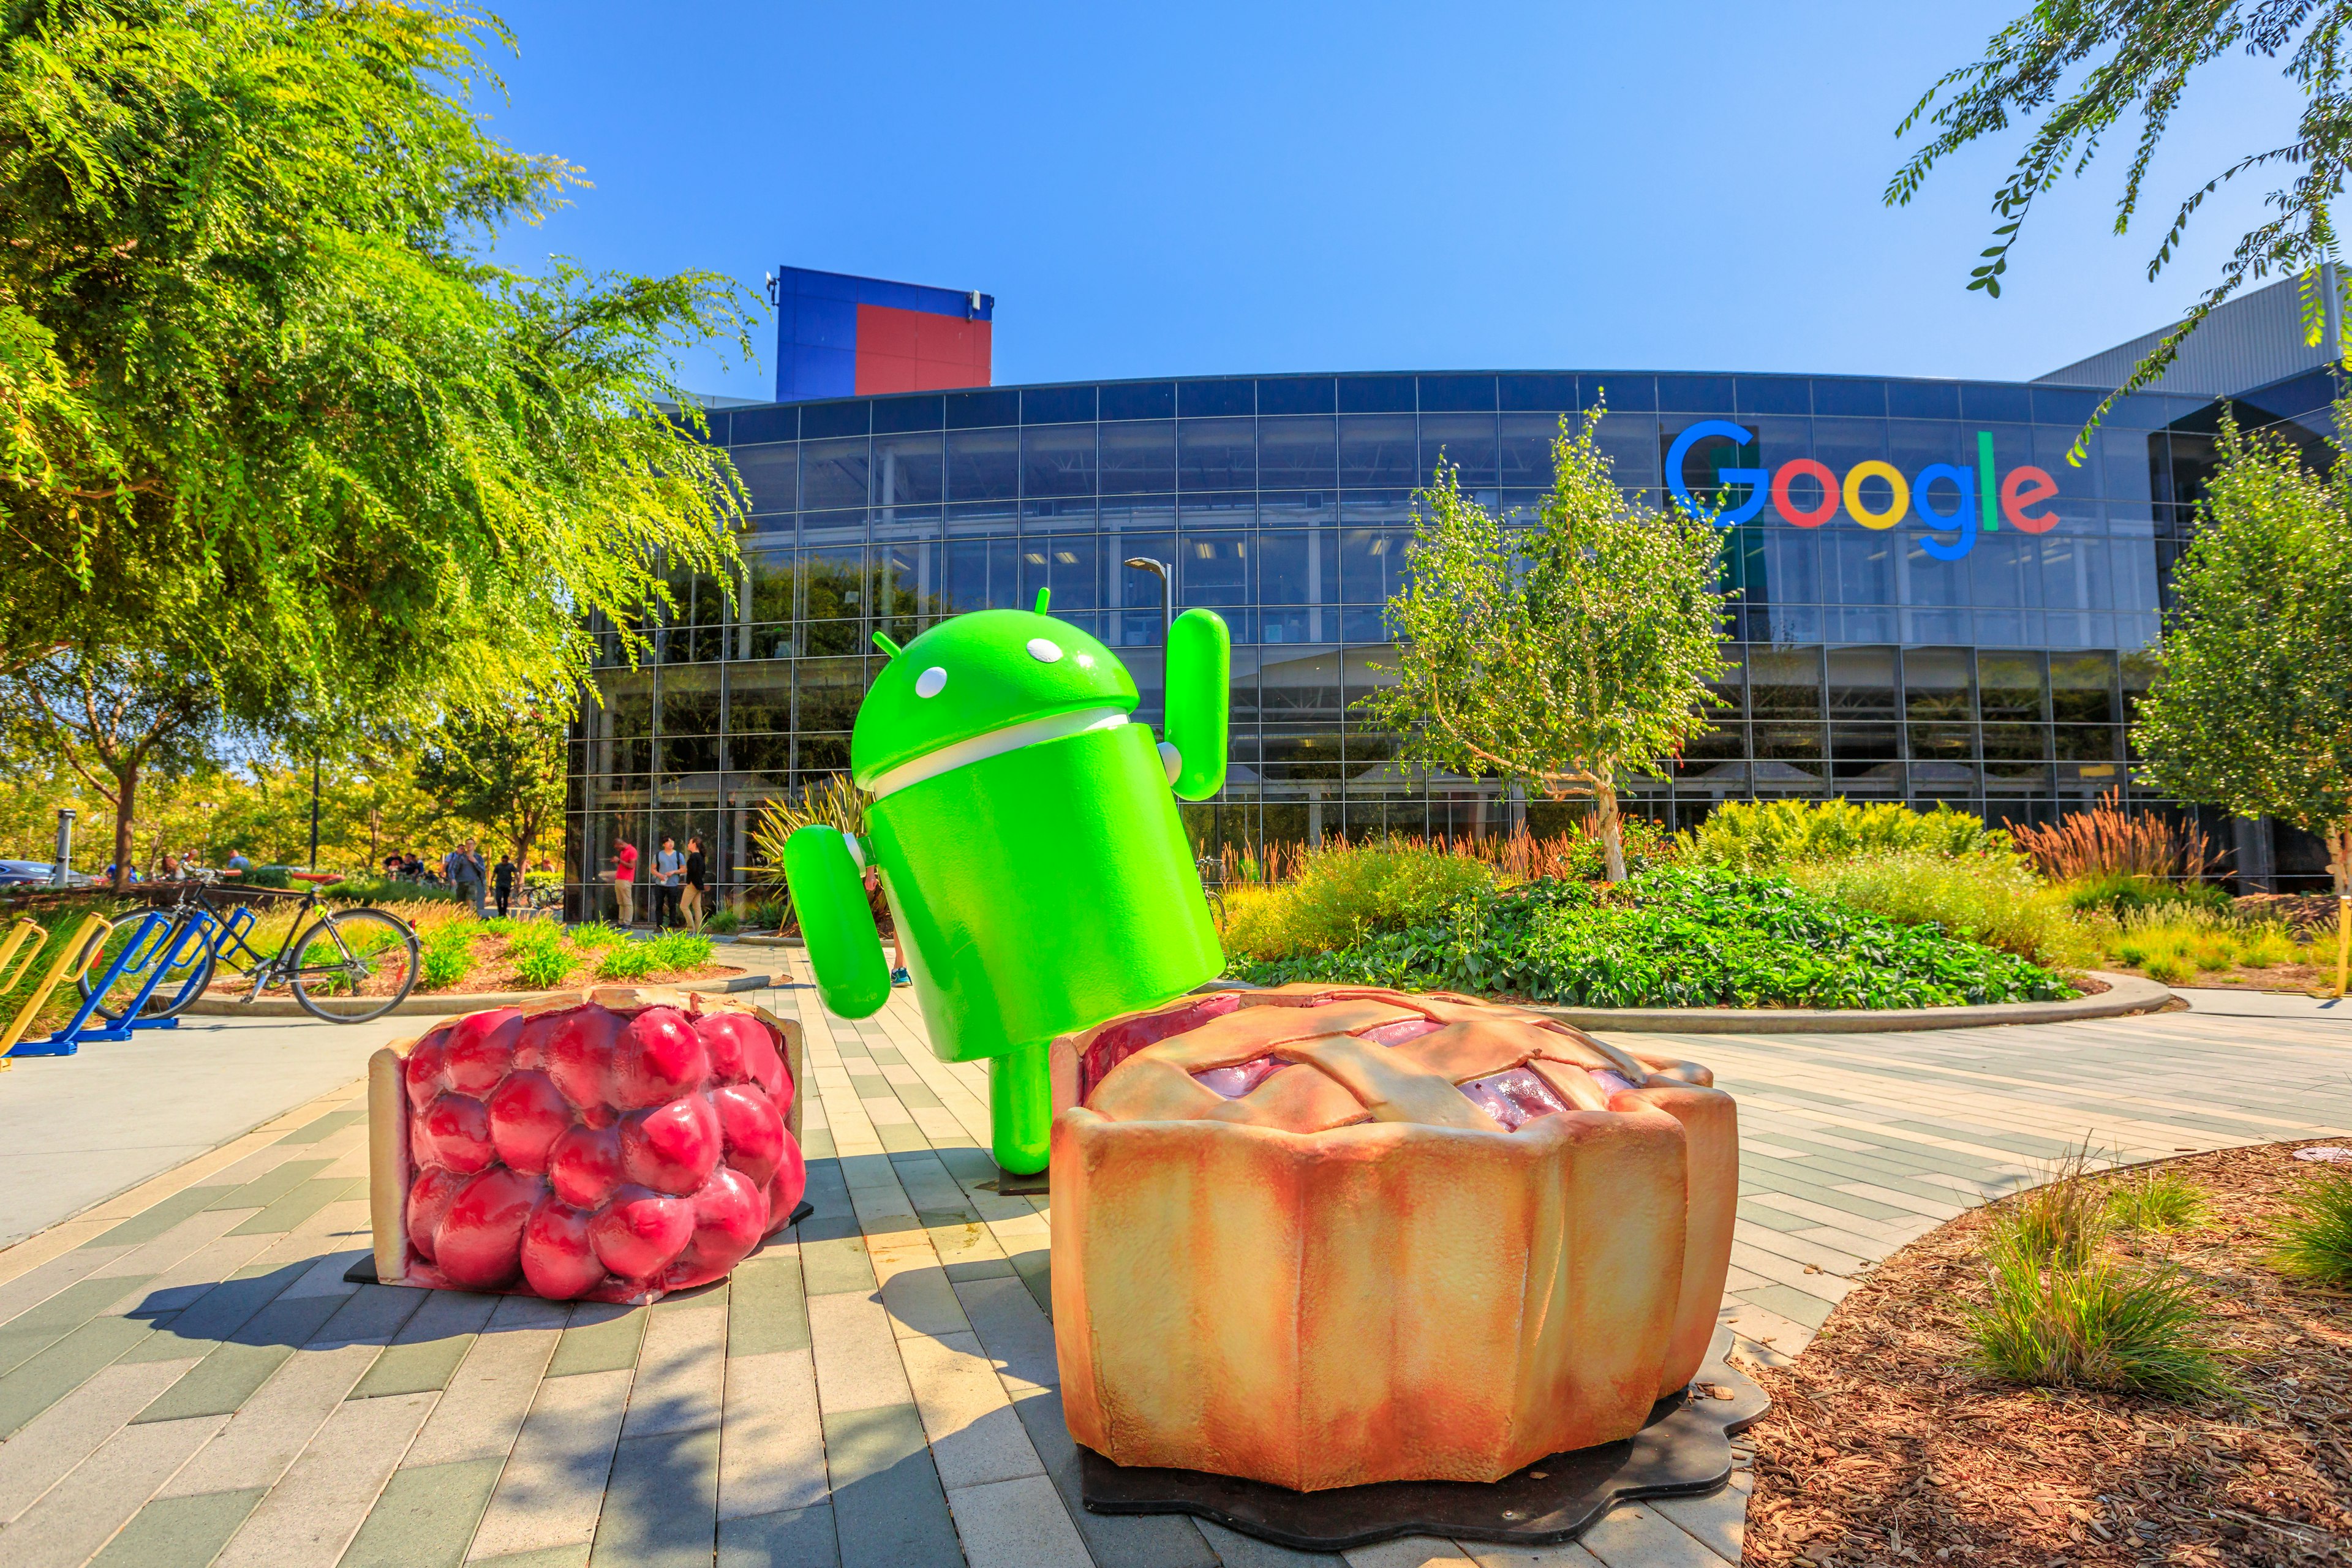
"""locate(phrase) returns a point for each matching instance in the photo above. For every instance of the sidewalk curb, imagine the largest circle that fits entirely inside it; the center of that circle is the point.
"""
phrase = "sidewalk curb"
(452, 1002)
(2125, 993)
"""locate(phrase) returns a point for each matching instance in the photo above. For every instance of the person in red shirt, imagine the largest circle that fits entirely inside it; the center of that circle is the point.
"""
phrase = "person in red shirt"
(624, 880)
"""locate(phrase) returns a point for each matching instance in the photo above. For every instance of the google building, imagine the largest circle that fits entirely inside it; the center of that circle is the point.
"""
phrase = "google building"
(1931, 603)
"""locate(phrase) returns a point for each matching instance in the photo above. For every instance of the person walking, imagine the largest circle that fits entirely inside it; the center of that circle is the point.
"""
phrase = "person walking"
(502, 882)
(625, 881)
(691, 898)
(670, 870)
(463, 869)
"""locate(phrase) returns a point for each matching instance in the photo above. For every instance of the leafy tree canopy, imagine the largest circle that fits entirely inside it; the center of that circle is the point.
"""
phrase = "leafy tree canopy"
(262, 405)
(1563, 654)
(2086, 69)
(503, 772)
(2254, 709)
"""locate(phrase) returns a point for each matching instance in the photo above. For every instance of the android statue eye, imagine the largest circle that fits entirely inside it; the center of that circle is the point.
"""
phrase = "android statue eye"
(930, 682)
(1044, 651)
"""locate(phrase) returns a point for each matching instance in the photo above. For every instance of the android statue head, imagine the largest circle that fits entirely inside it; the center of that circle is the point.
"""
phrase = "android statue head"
(1026, 833)
(976, 681)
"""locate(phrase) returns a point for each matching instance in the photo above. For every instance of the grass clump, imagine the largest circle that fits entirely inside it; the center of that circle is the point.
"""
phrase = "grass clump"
(725, 923)
(2094, 1323)
(595, 936)
(677, 950)
(2156, 1201)
(540, 956)
(1994, 899)
(2315, 1241)
(1343, 892)
(1673, 937)
(630, 960)
(2123, 893)
(1763, 835)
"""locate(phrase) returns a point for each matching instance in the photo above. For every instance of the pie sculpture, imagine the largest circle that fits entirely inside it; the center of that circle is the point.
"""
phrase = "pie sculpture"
(1324, 1236)
(611, 1147)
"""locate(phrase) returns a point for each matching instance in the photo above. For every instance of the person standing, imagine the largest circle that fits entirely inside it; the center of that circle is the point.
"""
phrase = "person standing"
(898, 975)
(691, 899)
(625, 881)
(463, 869)
(669, 871)
(502, 881)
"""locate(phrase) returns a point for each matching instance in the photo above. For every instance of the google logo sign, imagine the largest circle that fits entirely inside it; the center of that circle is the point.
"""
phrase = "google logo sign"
(1976, 499)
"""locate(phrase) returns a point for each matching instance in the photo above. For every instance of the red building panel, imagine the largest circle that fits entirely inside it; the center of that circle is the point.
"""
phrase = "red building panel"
(915, 351)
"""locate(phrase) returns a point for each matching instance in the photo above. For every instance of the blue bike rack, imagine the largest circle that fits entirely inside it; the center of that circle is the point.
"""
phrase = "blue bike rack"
(143, 951)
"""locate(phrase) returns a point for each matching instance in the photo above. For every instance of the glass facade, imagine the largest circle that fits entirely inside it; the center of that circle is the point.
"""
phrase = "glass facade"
(1932, 604)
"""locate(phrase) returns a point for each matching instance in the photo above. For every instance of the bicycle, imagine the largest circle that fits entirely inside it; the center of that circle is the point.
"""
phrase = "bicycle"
(1212, 887)
(346, 967)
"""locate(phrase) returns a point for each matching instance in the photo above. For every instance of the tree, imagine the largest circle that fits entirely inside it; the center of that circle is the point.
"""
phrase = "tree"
(262, 406)
(113, 719)
(2253, 708)
(1562, 655)
(2093, 64)
(504, 772)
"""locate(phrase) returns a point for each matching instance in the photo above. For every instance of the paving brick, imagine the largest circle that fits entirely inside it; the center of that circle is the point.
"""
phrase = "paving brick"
(334, 1121)
(288, 1213)
(771, 1455)
(829, 1267)
(572, 1556)
(154, 1220)
(917, 1293)
(270, 1186)
(63, 1367)
(1017, 1523)
(888, 1508)
(65, 1434)
(1791, 1303)
(78, 1515)
(681, 1373)
(1634, 1536)
(975, 1436)
(36, 1329)
(275, 1423)
(552, 1487)
(1235, 1550)
(766, 1313)
(1718, 1521)
(178, 1532)
(370, 1314)
(309, 1517)
(661, 1505)
(801, 1538)
(1115, 1541)
(487, 1398)
(1411, 1552)
(1568, 1555)
(857, 1363)
(226, 1378)
(427, 1516)
(426, 1351)
(600, 1338)
(208, 1321)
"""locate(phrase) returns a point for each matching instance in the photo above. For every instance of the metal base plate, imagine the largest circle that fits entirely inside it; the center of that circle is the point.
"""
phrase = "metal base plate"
(1007, 1185)
(1684, 1450)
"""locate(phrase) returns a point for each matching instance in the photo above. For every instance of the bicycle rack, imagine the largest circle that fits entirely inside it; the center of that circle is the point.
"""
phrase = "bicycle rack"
(142, 951)
(197, 932)
(72, 962)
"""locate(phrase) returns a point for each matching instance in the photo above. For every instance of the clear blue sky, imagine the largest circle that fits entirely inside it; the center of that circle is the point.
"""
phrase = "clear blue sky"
(1215, 188)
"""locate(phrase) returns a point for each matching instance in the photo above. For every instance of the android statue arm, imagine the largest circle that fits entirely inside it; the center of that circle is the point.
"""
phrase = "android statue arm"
(1199, 696)
(825, 869)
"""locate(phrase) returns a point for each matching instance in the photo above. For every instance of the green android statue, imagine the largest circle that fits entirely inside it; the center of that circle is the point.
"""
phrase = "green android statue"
(1029, 845)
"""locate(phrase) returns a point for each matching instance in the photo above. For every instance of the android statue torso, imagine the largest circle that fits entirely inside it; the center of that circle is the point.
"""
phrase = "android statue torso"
(1031, 851)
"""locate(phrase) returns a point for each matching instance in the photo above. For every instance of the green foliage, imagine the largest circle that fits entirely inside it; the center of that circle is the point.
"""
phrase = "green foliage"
(1565, 655)
(833, 802)
(2169, 969)
(2253, 711)
(2092, 1323)
(1675, 937)
(1645, 844)
(2157, 1201)
(266, 410)
(1993, 900)
(595, 936)
(2121, 892)
(382, 889)
(628, 960)
(449, 955)
(725, 923)
(502, 771)
(766, 914)
(2062, 1218)
(541, 957)
(1764, 836)
(273, 877)
(2315, 1241)
(2092, 72)
(675, 950)
(1341, 894)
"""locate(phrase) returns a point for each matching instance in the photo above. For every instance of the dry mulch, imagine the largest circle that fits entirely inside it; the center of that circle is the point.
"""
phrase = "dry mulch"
(1882, 1447)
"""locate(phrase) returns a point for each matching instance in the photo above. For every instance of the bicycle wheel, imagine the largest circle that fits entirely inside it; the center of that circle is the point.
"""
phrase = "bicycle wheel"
(355, 966)
(182, 983)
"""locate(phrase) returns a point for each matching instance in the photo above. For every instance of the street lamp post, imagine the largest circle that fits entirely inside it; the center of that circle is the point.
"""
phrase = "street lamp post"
(1167, 591)
(61, 872)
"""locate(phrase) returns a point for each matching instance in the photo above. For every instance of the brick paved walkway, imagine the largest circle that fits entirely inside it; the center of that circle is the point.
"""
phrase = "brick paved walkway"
(186, 1379)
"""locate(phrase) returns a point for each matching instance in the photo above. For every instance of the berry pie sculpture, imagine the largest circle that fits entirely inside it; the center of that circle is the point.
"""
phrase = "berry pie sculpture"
(612, 1148)
(1324, 1236)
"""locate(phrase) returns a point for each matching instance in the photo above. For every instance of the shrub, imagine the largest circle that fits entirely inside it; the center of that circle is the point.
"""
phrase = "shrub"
(443, 966)
(725, 923)
(2267, 947)
(384, 890)
(629, 961)
(2110, 841)
(544, 967)
(1992, 899)
(1762, 836)
(1674, 937)
(1343, 891)
(2214, 953)
(2091, 1323)
(675, 950)
(2166, 969)
(595, 936)
(2156, 1200)
(2122, 892)
(2315, 1241)
(766, 914)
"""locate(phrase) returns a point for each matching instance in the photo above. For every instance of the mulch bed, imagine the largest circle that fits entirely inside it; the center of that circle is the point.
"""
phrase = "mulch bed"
(1882, 1447)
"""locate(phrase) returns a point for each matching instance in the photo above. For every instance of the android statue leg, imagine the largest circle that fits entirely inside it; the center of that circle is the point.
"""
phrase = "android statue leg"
(1021, 1109)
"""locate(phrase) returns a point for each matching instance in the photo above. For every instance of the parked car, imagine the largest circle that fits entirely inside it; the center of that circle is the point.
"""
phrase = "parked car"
(37, 873)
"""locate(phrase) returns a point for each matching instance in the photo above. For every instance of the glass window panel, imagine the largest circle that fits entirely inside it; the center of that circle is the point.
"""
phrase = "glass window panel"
(1057, 459)
(906, 587)
(908, 470)
(2052, 446)
(1467, 441)
(1379, 450)
(833, 473)
(1929, 582)
(1301, 452)
(1139, 456)
(2088, 743)
(1139, 400)
(1630, 442)
(1785, 683)
(767, 755)
(1935, 686)
(1372, 564)
(833, 637)
(1862, 565)
(1843, 443)
(1526, 450)
(1070, 564)
(2076, 573)
(833, 585)
(1288, 568)
(2082, 688)
(1861, 683)
(770, 475)
(2131, 574)
(2005, 569)
(2010, 686)
(1216, 454)
(1913, 444)
(1143, 532)
(982, 574)
(983, 465)
(2131, 465)
(817, 754)
(1302, 395)
(1212, 569)
(829, 692)
(1300, 689)
(760, 697)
